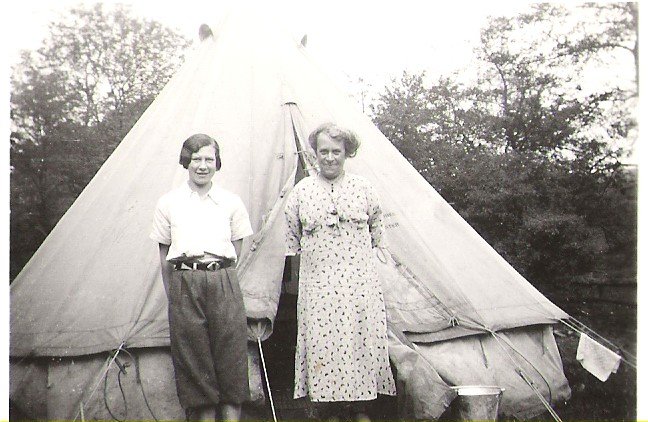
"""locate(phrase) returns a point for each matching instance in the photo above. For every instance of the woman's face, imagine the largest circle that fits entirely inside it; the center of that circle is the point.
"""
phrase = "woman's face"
(202, 166)
(330, 156)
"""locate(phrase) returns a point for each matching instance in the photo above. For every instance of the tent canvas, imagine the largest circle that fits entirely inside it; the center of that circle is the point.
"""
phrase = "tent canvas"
(90, 304)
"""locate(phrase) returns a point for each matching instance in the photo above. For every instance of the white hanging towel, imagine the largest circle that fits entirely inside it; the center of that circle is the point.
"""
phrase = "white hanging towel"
(597, 359)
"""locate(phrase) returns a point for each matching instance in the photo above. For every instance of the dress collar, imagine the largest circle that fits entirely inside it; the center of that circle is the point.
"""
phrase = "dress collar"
(330, 182)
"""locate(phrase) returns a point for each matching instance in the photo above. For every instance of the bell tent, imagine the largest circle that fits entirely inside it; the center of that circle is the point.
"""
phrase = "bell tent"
(88, 322)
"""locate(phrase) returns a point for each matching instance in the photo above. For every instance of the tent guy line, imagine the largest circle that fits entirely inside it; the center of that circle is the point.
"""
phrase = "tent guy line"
(110, 360)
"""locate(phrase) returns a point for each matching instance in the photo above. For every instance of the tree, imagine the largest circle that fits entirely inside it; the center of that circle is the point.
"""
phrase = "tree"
(72, 101)
(111, 58)
(527, 156)
(403, 114)
(41, 107)
(616, 29)
(546, 102)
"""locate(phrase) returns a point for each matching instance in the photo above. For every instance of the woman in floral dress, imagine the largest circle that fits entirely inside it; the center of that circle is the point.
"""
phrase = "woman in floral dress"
(334, 222)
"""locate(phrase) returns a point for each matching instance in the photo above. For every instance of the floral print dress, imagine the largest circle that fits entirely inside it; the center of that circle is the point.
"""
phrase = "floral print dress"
(341, 322)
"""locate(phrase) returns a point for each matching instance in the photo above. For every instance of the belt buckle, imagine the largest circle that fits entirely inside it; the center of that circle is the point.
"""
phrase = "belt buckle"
(194, 266)
(213, 266)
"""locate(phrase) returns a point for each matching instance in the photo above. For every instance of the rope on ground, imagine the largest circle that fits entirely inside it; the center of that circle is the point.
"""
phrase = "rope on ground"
(110, 360)
(265, 373)
(121, 388)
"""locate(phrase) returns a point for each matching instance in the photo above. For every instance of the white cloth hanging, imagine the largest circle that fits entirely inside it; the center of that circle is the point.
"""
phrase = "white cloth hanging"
(597, 359)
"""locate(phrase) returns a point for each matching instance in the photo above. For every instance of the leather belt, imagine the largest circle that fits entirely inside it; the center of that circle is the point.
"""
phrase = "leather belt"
(203, 266)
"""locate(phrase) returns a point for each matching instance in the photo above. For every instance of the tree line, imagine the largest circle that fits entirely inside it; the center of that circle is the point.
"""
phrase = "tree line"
(72, 101)
(527, 149)
(524, 152)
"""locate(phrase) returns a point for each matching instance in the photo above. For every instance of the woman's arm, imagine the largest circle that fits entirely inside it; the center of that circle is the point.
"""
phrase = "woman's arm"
(376, 224)
(166, 266)
(237, 247)
(294, 228)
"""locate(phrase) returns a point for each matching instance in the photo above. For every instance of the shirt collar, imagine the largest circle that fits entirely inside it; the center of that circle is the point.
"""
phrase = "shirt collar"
(213, 194)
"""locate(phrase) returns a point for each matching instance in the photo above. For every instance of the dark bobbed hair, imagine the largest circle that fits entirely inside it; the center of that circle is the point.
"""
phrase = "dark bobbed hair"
(193, 144)
(333, 131)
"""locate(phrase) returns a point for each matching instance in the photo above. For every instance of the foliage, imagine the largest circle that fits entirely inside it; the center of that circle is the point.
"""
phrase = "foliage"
(539, 82)
(72, 101)
(404, 123)
(531, 159)
(616, 30)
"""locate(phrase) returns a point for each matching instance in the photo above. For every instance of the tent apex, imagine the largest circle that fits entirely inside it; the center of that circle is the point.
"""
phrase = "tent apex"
(205, 32)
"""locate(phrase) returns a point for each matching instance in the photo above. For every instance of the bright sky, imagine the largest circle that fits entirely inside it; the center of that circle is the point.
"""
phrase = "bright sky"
(351, 39)
(375, 40)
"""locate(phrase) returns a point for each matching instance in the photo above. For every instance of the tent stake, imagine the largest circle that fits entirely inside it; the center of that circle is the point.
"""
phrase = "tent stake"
(265, 373)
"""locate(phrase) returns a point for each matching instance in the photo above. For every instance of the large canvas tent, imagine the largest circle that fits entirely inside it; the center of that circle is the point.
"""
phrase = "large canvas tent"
(88, 326)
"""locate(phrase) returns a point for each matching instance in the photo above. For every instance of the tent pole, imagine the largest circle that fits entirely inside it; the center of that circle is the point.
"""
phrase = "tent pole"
(265, 373)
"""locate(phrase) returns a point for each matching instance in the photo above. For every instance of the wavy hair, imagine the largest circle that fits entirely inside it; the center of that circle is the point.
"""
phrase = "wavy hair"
(335, 132)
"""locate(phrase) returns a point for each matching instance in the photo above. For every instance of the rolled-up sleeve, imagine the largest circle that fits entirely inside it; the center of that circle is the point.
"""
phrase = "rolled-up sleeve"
(293, 230)
(161, 229)
(240, 221)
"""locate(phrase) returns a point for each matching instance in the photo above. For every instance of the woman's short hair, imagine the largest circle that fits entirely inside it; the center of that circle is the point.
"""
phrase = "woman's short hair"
(193, 144)
(333, 131)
